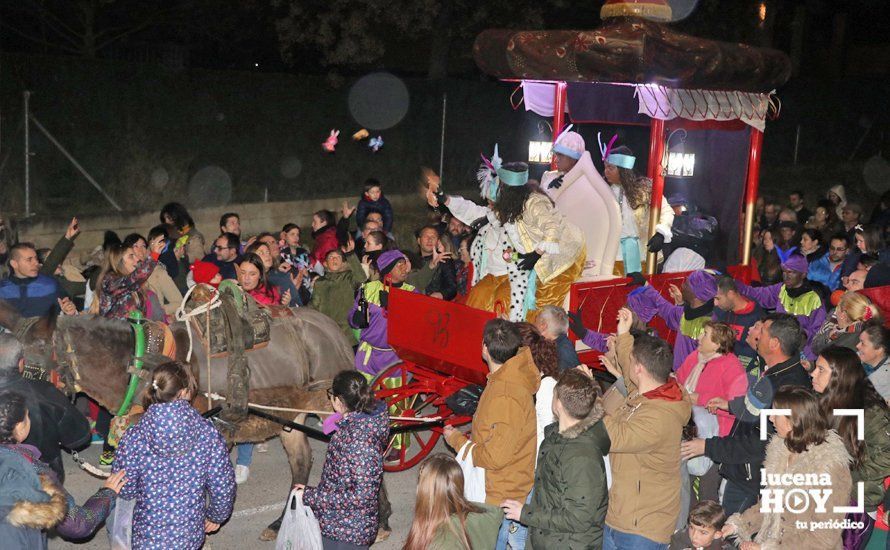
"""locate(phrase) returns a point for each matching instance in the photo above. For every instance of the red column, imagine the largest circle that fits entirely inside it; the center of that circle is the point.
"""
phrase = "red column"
(656, 174)
(751, 184)
(559, 113)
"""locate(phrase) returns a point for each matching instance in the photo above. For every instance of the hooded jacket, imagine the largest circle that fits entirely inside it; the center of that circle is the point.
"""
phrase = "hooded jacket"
(32, 500)
(504, 430)
(325, 241)
(346, 499)
(779, 529)
(55, 422)
(645, 432)
(365, 206)
(175, 460)
(842, 193)
(569, 502)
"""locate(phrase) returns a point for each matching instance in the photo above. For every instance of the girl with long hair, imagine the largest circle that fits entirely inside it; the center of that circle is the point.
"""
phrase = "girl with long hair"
(346, 499)
(547, 360)
(253, 279)
(275, 277)
(121, 281)
(177, 464)
(443, 518)
(32, 500)
(175, 215)
(841, 383)
(804, 447)
(159, 283)
(633, 192)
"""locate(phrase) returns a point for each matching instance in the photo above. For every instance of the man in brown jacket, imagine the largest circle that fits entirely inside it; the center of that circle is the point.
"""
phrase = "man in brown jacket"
(645, 429)
(504, 429)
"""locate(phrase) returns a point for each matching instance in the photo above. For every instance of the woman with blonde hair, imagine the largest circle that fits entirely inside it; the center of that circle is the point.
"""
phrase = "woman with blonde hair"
(122, 279)
(443, 518)
(853, 313)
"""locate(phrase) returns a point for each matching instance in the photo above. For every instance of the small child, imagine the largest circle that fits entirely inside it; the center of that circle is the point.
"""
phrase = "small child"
(334, 291)
(177, 466)
(206, 273)
(373, 200)
(704, 532)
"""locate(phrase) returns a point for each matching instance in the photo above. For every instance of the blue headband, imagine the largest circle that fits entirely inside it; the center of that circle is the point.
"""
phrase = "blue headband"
(622, 161)
(563, 150)
(513, 179)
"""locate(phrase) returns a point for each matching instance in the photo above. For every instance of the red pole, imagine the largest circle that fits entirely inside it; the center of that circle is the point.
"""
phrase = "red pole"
(656, 174)
(751, 183)
(559, 114)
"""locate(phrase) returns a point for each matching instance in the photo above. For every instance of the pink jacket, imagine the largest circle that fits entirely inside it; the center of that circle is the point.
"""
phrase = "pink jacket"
(722, 377)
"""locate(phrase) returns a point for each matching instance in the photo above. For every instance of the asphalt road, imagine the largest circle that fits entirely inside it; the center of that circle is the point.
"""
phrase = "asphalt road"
(258, 502)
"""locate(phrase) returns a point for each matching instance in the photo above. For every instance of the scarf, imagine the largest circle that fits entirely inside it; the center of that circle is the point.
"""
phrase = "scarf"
(692, 382)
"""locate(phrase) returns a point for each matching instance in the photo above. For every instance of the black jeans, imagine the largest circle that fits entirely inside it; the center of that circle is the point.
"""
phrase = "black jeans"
(737, 499)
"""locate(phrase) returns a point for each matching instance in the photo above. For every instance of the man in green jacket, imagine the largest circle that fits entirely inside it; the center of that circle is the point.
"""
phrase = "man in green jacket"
(569, 500)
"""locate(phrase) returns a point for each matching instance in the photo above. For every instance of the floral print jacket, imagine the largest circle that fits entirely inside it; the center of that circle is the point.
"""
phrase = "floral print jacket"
(345, 501)
(175, 461)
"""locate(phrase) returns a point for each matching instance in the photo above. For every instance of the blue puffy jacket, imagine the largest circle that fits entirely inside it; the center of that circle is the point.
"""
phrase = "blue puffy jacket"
(31, 296)
(820, 271)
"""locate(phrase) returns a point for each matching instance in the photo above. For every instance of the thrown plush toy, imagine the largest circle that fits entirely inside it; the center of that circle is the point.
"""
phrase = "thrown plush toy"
(376, 143)
(360, 135)
(331, 143)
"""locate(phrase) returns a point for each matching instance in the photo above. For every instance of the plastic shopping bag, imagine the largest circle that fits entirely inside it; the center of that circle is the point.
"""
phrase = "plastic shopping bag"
(706, 426)
(474, 476)
(121, 524)
(299, 528)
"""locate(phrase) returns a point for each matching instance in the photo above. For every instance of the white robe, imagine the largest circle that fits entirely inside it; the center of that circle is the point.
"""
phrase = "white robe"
(585, 199)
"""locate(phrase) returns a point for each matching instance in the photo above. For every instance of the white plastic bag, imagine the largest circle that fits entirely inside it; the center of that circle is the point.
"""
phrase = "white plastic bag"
(121, 524)
(474, 476)
(706, 426)
(299, 528)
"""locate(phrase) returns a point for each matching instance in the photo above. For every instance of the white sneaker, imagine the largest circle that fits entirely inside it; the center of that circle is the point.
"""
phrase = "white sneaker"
(262, 448)
(241, 474)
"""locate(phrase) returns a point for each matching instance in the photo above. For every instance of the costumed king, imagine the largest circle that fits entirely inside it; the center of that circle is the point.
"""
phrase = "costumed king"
(585, 199)
(526, 253)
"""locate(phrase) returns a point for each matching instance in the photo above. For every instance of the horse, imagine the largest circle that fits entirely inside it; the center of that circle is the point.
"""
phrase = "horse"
(306, 350)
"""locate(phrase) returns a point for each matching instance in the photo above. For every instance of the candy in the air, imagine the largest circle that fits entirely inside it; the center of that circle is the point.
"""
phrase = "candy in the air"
(360, 135)
(331, 143)
(376, 143)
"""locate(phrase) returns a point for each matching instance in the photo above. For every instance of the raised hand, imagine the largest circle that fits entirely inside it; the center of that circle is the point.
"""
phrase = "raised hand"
(676, 295)
(347, 210)
(625, 320)
(73, 230)
(285, 298)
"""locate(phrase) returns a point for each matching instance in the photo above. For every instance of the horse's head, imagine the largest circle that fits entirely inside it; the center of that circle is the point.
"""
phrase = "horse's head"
(34, 333)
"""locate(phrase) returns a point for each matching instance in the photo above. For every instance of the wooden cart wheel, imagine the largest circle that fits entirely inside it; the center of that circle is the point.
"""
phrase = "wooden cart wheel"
(411, 399)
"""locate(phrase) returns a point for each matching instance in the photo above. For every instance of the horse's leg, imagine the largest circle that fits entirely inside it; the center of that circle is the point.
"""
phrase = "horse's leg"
(384, 511)
(299, 456)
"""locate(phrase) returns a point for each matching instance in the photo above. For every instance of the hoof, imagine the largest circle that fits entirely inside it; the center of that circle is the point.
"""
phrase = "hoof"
(268, 534)
(382, 535)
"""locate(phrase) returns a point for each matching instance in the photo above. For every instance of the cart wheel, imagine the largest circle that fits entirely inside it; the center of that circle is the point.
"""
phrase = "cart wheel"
(411, 398)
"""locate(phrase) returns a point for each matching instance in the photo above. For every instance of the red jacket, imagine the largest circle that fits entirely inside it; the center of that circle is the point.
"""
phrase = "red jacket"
(266, 295)
(722, 377)
(325, 241)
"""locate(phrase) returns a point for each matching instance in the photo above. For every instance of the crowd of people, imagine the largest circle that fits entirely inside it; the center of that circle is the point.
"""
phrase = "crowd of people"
(660, 446)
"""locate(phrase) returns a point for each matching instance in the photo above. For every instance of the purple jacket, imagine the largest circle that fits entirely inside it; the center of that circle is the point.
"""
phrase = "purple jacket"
(596, 340)
(175, 461)
(647, 302)
(374, 353)
(807, 307)
(346, 499)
